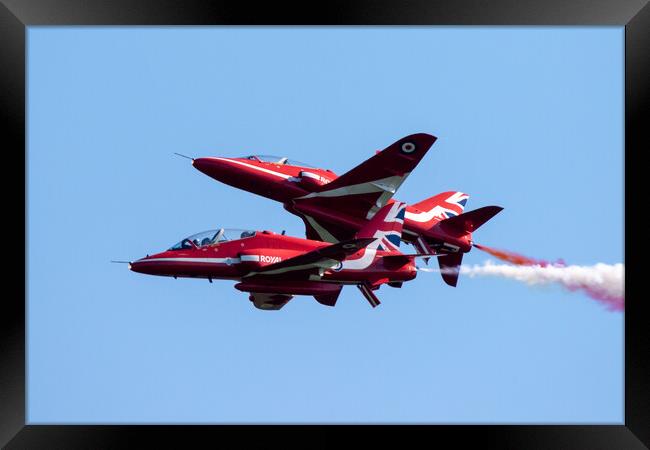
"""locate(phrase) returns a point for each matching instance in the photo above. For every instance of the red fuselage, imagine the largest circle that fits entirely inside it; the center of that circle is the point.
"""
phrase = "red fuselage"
(240, 259)
(285, 183)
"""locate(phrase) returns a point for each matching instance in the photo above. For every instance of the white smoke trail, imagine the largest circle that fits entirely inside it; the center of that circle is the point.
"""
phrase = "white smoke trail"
(602, 282)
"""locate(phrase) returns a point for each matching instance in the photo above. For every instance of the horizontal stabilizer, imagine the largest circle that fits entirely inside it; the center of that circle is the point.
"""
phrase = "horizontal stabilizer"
(470, 221)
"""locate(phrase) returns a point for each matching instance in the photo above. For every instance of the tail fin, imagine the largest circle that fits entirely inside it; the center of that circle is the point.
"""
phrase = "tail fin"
(450, 267)
(462, 225)
(439, 207)
(386, 227)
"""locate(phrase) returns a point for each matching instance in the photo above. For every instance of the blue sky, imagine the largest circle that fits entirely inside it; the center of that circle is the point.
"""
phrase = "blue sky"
(530, 119)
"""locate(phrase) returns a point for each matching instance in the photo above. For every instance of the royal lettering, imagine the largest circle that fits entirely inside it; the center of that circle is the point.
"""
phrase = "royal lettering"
(270, 259)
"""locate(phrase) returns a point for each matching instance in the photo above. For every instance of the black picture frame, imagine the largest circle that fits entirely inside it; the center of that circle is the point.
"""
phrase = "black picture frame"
(16, 15)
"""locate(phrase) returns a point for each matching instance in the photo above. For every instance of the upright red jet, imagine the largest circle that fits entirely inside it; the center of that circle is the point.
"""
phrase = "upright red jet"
(273, 267)
(334, 208)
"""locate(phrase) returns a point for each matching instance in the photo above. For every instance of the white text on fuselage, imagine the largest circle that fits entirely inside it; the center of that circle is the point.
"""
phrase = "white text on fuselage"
(270, 259)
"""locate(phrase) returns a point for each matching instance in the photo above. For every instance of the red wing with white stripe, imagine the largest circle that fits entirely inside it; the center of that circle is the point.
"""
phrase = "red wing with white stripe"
(364, 190)
(321, 258)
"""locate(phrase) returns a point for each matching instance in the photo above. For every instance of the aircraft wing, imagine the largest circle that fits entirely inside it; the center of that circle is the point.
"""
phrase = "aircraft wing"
(365, 189)
(321, 258)
(321, 230)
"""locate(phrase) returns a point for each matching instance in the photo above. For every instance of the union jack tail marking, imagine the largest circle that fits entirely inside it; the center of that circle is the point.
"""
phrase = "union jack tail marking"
(385, 227)
(439, 207)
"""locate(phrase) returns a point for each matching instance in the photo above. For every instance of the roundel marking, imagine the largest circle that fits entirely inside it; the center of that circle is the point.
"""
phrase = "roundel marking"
(408, 147)
(338, 267)
(349, 246)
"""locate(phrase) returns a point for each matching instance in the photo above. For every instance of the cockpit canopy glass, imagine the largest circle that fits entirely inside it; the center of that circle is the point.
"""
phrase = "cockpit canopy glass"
(278, 160)
(212, 237)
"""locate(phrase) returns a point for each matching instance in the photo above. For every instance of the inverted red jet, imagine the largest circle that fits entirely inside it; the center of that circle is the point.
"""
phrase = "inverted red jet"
(273, 267)
(334, 208)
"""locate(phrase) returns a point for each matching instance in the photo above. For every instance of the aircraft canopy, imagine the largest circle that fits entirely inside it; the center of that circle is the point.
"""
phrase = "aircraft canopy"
(211, 237)
(277, 160)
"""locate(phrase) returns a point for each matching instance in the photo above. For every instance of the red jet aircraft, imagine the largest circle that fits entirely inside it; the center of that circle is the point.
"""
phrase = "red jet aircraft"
(273, 267)
(334, 208)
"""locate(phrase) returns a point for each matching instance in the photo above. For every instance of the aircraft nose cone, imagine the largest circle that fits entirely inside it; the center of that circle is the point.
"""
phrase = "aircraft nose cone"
(221, 169)
(200, 163)
(134, 266)
(140, 266)
(212, 166)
